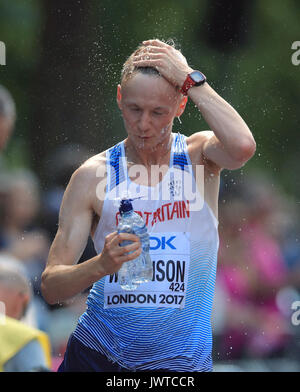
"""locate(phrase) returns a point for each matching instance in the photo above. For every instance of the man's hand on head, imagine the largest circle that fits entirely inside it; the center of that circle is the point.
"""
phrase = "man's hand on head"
(169, 62)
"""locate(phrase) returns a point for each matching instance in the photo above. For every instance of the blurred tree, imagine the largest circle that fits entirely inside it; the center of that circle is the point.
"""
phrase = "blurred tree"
(228, 23)
(19, 27)
(66, 98)
(64, 60)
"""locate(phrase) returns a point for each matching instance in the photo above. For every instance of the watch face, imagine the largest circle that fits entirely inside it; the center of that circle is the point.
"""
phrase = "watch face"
(198, 77)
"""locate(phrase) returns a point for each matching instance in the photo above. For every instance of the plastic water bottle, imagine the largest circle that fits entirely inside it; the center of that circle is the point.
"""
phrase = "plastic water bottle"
(139, 270)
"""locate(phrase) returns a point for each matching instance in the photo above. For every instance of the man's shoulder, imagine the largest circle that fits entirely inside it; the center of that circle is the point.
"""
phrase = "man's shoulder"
(197, 139)
(91, 168)
(94, 161)
(195, 145)
(84, 181)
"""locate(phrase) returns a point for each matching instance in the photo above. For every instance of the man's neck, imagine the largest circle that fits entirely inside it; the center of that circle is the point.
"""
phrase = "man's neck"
(158, 155)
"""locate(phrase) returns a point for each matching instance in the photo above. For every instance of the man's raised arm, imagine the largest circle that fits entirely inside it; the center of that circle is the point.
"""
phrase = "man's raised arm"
(230, 143)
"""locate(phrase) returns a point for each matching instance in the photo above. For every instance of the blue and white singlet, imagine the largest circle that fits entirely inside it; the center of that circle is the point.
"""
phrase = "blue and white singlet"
(166, 323)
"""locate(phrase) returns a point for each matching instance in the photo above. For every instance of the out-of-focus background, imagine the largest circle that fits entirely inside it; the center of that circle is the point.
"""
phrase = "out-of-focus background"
(62, 66)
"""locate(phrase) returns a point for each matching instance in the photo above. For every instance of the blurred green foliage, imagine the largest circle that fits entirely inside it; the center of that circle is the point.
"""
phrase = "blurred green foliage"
(257, 77)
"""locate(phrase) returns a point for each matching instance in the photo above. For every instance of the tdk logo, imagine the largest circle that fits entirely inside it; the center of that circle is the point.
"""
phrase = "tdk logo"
(161, 243)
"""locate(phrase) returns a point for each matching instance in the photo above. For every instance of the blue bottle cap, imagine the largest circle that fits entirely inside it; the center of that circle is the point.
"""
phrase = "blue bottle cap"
(125, 206)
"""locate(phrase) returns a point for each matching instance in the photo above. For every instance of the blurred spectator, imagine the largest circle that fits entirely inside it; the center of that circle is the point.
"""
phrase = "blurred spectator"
(7, 116)
(22, 348)
(19, 234)
(62, 321)
(31, 316)
(23, 238)
(279, 216)
(59, 166)
(252, 270)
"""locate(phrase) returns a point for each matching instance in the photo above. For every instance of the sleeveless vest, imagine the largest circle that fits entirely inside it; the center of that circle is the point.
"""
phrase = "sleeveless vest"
(163, 324)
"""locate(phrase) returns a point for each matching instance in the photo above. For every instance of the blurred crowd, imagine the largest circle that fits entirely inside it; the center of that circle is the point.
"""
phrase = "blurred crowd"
(258, 275)
(28, 224)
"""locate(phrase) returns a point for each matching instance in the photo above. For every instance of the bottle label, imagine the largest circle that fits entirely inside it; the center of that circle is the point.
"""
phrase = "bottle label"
(170, 255)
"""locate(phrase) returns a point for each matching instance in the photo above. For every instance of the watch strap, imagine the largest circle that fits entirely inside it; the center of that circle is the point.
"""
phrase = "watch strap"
(188, 83)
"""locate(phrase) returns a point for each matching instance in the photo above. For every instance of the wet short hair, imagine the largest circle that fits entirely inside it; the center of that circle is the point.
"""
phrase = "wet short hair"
(128, 69)
(7, 104)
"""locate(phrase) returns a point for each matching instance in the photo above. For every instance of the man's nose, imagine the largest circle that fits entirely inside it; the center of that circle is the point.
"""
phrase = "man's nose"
(144, 123)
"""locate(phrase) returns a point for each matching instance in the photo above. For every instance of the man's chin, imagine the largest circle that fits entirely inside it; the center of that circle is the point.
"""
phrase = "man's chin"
(148, 145)
(144, 142)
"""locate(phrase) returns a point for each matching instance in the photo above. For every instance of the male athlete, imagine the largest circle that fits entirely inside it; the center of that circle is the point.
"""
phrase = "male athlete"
(163, 325)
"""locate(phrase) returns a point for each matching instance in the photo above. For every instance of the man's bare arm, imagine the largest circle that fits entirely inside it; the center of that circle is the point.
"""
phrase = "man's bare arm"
(62, 278)
(230, 143)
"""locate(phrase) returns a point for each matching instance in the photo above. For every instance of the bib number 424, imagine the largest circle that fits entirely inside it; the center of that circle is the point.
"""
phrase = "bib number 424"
(178, 287)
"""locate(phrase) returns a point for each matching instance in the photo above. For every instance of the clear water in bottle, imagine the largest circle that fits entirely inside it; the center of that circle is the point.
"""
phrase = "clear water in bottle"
(137, 271)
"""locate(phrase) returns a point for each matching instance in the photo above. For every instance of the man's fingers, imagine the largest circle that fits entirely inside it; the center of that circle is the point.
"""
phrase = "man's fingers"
(122, 250)
(151, 49)
(147, 56)
(131, 256)
(109, 238)
(116, 238)
(150, 62)
(126, 237)
(155, 42)
(147, 63)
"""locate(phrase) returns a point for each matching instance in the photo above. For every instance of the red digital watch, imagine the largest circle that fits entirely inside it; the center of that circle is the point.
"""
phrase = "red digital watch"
(195, 78)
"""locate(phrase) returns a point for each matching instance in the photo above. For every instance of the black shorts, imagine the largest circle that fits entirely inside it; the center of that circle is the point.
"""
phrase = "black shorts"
(80, 358)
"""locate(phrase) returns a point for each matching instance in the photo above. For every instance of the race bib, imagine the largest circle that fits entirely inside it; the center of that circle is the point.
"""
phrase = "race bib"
(170, 255)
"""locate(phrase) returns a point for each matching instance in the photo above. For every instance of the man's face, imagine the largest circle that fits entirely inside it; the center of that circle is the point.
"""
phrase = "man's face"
(6, 126)
(149, 104)
(15, 301)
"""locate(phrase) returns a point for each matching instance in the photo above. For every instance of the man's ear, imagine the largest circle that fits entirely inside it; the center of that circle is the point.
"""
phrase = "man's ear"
(119, 96)
(25, 304)
(182, 105)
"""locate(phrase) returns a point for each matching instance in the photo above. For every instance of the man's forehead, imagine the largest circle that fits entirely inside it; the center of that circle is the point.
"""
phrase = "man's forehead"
(146, 102)
(149, 85)
(155, 99)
